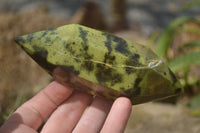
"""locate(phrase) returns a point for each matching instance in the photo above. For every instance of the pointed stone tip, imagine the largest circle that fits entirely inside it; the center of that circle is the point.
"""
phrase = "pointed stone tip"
(19, 40)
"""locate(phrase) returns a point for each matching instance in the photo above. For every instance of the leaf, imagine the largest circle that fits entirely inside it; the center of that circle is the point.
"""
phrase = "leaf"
(152, 39)
(189, 29)
(191, 44)
(190, 5)
(168, 34)
(185, 61)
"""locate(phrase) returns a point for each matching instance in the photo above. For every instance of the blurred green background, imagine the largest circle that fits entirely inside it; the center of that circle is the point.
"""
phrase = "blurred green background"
(171, 28)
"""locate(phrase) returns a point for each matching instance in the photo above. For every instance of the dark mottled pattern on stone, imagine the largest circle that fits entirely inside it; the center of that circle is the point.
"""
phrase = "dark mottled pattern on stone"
(134, 89)
(52, 31)
(89, 65)
(122, 89)
(129, 93)
(106, 74)
(108, 42)
(68, 47)
(172, 76)
(48, 40)
(44, 34)
(121, 44)
(77, 60)
(85, 48)
(83, 35)
(86, 64)
(56, 39)
(130, 70)
(87, 56)
(136, 86)
(132, 61)
(20, 40)
(30, 37)
(136, 57)
(40, 56)
(70, 69)
(108, 58)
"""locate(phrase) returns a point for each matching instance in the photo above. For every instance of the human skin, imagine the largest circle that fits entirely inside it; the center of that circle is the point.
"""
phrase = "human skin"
(66, 110)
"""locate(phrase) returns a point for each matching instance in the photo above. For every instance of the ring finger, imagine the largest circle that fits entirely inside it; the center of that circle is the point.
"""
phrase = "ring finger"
(94, 117)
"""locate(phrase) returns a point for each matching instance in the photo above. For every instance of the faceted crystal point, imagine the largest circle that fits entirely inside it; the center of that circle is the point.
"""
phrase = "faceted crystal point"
(100, 63)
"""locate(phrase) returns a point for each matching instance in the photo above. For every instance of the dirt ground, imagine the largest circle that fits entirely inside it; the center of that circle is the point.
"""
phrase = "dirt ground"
(162, 118)
(20, 75)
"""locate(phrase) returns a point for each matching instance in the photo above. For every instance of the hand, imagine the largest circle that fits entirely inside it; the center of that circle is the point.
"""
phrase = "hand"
(67, 113)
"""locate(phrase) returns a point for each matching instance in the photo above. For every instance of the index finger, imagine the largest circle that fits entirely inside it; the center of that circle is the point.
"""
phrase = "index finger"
(38, 108)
